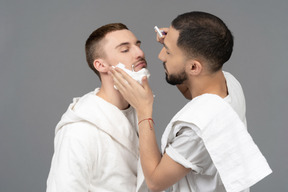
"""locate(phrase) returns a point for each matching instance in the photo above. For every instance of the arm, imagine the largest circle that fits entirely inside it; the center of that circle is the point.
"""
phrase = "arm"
(70, 164)
(160, 173)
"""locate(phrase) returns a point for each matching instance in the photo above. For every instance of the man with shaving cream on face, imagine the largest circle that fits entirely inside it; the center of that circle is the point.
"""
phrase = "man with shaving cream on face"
(206, 146)
(96, 141)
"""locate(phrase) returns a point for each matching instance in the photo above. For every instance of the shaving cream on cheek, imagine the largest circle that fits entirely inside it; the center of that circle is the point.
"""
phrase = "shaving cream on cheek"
(135, 75)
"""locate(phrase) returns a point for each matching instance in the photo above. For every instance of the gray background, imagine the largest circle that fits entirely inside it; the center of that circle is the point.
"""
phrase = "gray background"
(43, 67)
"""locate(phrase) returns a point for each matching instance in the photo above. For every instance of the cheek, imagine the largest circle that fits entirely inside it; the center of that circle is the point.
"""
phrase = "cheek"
(174, 64)
(118, 58)
(112, 59)
(127, 61)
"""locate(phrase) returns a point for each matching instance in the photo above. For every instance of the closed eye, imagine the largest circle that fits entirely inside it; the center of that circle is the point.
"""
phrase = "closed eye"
(138, 43)
(125, 51)
(166, 48)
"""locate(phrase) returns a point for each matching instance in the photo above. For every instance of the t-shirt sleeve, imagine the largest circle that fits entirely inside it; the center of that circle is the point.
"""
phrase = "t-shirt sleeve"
(188, 149)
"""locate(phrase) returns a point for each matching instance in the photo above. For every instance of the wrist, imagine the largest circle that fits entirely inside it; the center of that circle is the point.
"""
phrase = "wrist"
(144, 115)
(148, 120)
(144, 112)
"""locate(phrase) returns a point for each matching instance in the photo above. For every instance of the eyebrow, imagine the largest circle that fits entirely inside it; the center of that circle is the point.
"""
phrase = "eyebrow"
(165, 46)
(122, 44)
(126, 43)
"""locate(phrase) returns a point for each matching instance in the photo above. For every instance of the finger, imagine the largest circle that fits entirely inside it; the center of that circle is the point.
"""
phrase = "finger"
(126, 77)
(123, 88)
(145, 83)
(160, 39)
(121, 73)
(120, 77)
(120, 83)
(116, 82)
(164, 31)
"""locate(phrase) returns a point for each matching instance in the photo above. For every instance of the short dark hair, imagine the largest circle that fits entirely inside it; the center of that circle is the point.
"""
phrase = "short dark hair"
(93, 47)
(205, 35)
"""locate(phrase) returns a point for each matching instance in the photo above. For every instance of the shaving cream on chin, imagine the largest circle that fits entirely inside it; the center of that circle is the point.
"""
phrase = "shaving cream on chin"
(135, 75)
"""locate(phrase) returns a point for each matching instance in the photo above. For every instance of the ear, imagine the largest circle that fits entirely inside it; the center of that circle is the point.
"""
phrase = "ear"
(101, 66)
(194, 67)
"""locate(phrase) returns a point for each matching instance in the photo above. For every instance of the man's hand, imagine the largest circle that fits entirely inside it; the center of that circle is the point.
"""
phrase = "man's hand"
(137, 95)
(161, 39)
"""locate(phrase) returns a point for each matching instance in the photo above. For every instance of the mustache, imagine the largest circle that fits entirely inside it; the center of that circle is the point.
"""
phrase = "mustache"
(140, 60)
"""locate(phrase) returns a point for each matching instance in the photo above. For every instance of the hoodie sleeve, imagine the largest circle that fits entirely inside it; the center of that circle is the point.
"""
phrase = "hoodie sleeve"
(72, 160)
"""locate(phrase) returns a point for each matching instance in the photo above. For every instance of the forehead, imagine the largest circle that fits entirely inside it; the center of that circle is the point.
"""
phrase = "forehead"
(115, 38)
(171, 38)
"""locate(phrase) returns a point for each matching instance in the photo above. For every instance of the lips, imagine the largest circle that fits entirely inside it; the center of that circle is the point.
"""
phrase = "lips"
(164, 65)
(141, 64)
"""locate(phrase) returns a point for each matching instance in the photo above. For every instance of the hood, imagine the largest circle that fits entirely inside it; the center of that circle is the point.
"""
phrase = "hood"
(70, 116)
(103, 116)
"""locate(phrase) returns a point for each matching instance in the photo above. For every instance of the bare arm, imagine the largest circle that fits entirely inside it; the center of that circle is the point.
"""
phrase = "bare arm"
(160, 172)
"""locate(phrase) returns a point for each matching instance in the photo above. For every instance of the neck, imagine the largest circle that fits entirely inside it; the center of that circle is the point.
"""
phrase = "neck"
(208, 83)
(111, 95)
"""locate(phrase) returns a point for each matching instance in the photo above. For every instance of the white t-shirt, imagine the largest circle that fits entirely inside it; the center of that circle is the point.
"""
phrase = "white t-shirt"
(130, 115)
(188, 145)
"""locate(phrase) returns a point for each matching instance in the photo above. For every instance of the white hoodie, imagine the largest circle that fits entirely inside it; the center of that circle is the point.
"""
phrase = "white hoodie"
(96, 148)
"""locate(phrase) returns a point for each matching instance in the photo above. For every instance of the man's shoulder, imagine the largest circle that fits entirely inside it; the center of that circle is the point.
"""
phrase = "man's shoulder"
(78, 129)
(201, 107)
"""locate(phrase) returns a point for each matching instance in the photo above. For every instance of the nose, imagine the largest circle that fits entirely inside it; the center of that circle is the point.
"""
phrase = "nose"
(139, 52)
(161, 55)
